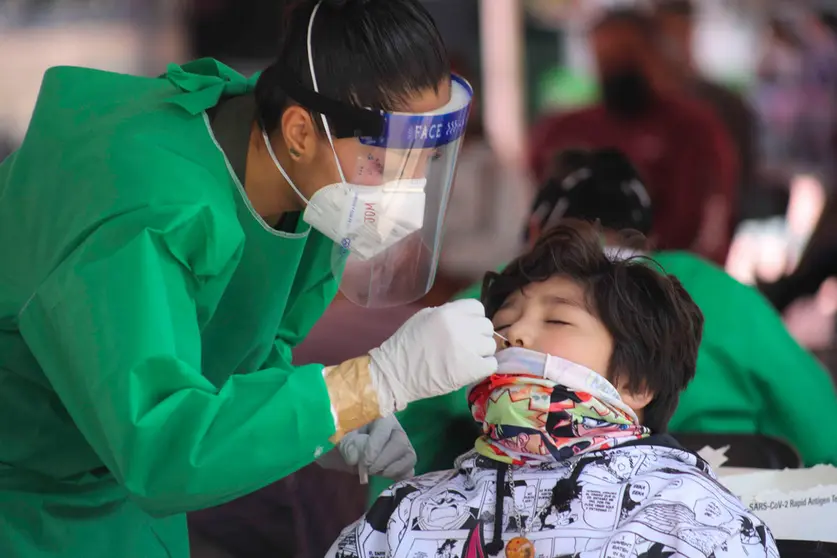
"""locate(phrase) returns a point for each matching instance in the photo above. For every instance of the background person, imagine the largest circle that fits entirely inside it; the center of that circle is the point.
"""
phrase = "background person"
(692, 177)
(676, 23)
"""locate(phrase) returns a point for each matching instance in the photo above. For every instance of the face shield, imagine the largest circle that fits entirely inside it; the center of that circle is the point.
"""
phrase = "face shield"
(388, 219)
(385, 215)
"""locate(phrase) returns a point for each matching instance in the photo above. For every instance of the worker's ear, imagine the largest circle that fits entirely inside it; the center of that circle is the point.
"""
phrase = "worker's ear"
(300, 134)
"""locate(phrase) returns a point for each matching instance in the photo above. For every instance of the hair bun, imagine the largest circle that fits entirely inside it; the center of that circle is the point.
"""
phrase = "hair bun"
(342, 3)
(612, 164)
(308, 5)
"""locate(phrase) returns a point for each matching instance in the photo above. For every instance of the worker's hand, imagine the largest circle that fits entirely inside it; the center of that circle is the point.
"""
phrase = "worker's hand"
(378, 449)
(437, 351)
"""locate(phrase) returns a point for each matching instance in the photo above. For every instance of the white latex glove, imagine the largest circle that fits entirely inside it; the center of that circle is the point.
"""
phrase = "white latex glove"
(436, 352)
(380, 449)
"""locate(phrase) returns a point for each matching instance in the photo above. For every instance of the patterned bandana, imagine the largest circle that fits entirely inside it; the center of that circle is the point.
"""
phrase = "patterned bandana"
(540, 408)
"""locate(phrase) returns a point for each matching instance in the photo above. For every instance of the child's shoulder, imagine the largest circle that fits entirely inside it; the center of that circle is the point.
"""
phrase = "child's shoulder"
(674, 490)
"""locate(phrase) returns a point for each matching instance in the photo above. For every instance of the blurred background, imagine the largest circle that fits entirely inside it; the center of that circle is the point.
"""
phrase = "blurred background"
(766, 68)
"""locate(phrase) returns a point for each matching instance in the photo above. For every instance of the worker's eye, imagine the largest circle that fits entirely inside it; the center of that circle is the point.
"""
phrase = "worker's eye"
(500, 328)
(437, 154)
(557, 322)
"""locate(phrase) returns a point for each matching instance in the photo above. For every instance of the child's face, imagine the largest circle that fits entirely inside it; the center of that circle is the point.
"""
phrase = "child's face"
(551, 317)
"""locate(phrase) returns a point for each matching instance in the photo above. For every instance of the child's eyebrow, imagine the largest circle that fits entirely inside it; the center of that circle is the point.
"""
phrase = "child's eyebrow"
(562, 301)
(508, 302)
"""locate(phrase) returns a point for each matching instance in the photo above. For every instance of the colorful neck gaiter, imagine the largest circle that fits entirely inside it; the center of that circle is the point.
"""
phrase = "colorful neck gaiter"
(538, 408)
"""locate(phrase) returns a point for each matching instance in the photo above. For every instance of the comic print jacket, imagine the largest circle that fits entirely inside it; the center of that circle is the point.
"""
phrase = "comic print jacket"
(639, 500)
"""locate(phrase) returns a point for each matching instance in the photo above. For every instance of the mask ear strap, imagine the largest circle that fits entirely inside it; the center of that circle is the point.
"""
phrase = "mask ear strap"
(546, 366)
(317, 88)
(281, 169)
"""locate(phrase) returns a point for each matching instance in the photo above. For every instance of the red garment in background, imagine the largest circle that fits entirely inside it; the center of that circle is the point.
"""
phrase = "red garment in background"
(681, 150)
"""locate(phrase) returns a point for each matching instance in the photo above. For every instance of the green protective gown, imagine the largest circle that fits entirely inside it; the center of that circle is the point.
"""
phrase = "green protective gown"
(752, 377)
(147, 318)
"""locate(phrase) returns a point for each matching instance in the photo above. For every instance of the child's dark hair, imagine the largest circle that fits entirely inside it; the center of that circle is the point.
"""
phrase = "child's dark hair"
(655, 324)
(369, 53)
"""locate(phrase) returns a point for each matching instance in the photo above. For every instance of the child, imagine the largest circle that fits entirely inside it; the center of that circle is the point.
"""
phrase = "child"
(574, 459)
(741, 385)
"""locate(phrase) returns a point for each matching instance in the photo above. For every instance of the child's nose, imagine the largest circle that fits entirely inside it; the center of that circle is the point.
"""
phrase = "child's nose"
(520, 335)
(502, 341)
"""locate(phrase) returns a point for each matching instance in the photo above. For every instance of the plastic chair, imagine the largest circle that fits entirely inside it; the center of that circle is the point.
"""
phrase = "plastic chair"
(746, 450)
(806, 549)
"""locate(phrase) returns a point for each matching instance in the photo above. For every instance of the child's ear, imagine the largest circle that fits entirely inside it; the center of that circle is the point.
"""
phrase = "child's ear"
(637, 400)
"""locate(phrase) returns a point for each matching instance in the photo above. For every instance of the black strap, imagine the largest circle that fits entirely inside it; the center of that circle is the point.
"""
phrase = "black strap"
(346, 120)
(496, 545)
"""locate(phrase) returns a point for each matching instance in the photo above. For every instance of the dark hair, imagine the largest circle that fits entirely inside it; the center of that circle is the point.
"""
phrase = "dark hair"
(459, 66)
(683, 8)
(370, 53)
(599, 185)
(633, 18)
(655, 324)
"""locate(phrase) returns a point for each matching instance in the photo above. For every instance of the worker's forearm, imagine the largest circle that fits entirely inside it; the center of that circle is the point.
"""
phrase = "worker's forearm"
(197, 449)
(353, 396)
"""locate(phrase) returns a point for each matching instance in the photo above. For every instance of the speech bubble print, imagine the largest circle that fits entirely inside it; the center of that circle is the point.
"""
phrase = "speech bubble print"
(621, 546)
(529, 496)
(601, 506)
(544, 496)
(709, 512)
(639, 491)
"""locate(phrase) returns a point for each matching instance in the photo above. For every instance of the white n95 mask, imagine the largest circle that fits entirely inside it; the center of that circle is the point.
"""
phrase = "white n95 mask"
(367, 220)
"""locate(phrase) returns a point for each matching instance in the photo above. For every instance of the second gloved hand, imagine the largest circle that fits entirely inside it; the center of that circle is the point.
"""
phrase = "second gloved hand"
(437, 351)
(380, 448)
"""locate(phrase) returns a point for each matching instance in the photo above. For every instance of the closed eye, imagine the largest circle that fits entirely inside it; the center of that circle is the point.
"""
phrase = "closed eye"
(557, 322)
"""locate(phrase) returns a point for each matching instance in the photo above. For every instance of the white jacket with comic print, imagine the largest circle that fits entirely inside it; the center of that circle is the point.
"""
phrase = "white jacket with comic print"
(646, 499)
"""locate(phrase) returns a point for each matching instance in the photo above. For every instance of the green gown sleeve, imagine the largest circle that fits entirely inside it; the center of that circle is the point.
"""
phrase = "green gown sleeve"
(313, 289)
(799, 392)
(115, 329)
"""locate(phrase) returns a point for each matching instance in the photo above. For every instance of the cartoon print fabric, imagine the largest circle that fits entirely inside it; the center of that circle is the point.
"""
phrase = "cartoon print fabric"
(543, 408)
(635, 501)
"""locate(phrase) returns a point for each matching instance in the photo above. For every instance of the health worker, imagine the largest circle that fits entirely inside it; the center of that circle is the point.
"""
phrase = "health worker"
(167, 242)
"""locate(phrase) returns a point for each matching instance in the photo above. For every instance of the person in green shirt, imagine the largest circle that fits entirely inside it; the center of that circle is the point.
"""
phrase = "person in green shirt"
(752, 376)
(167, 242)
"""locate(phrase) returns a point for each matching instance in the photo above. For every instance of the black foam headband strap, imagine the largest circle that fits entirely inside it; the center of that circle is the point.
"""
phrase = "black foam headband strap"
(346, 120)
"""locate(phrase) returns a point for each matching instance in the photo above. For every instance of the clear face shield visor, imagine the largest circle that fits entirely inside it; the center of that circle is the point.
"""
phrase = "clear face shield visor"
(386, 215)
(389, 235)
